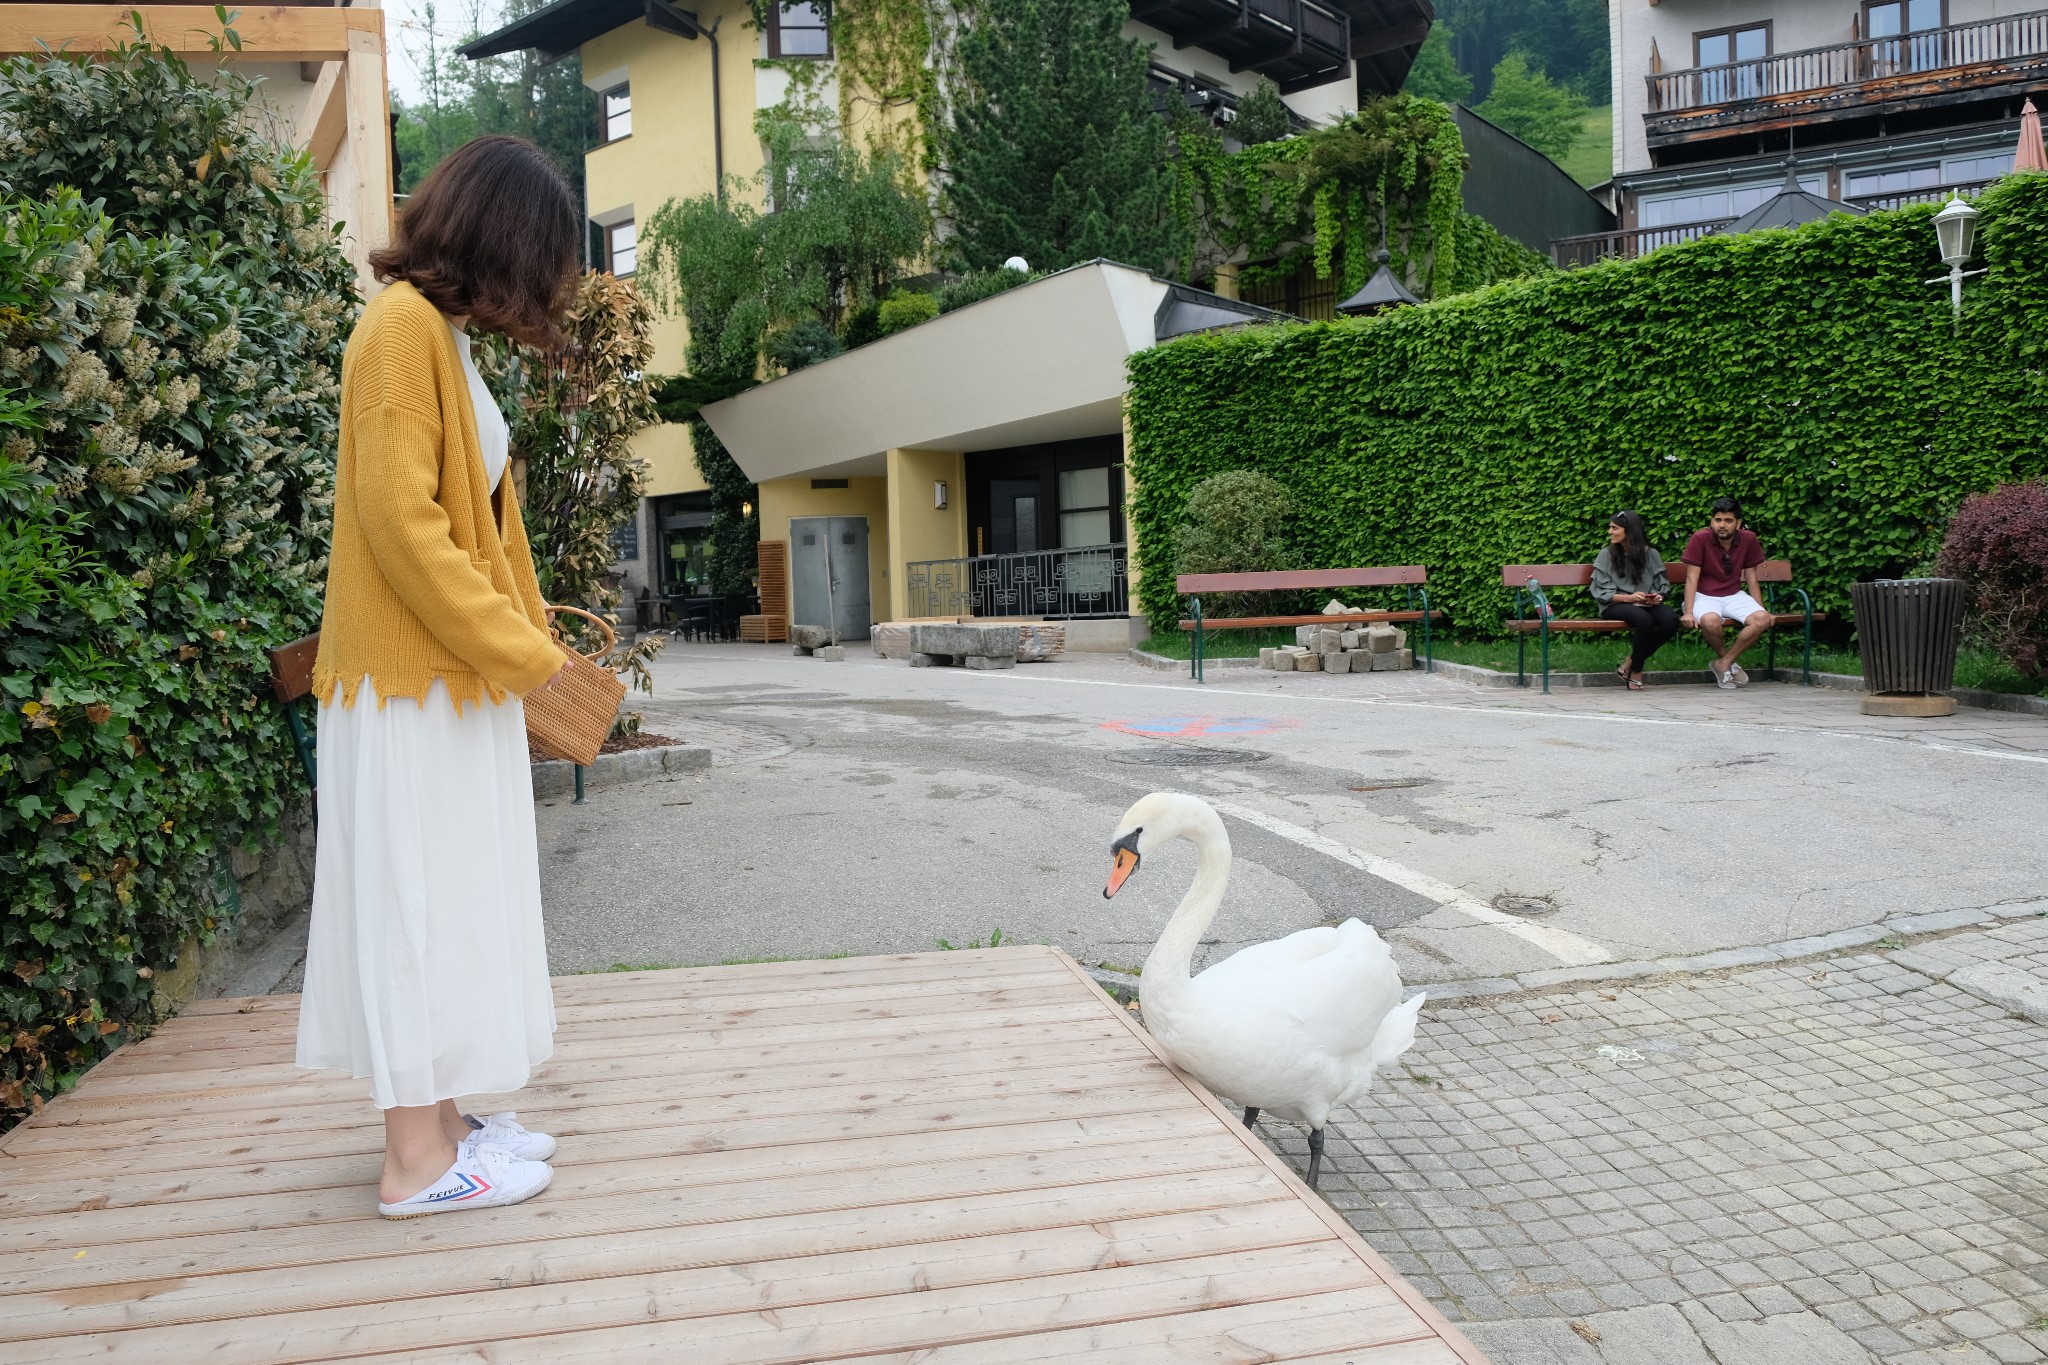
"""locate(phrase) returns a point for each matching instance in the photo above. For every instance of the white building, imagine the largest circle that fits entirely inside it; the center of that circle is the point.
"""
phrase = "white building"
(1876, 104)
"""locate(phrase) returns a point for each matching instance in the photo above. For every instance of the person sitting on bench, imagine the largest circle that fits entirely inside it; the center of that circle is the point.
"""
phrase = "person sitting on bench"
(1721, 586)
(1630, 585)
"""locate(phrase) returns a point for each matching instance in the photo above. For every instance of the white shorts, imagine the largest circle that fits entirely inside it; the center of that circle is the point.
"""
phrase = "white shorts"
(1736, 607)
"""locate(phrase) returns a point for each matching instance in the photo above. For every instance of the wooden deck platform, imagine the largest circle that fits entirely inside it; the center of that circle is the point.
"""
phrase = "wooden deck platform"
(969, 1156)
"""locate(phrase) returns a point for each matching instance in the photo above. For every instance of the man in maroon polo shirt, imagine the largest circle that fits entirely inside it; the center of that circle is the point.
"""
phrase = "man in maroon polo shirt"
(1721, 586)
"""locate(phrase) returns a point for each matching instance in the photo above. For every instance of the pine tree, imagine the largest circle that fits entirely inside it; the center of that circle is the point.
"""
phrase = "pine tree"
(1262, 116)
(1055, 152)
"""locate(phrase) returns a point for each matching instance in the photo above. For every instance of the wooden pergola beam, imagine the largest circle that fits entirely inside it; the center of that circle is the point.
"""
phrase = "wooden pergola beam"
(269, 33)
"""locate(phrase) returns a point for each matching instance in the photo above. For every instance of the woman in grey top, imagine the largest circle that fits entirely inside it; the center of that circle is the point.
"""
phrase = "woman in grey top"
(1629, 584)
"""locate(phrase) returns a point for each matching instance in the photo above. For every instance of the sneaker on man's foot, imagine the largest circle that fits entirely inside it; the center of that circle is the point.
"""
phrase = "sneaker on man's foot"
(1735, 672)
(503, 1131)
(481, 1178)
(1725, 680)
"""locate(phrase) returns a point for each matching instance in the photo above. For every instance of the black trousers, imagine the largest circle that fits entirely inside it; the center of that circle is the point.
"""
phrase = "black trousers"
(1653, 628)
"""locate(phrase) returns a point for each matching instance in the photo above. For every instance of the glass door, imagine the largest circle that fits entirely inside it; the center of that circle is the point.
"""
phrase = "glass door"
(1904, 36)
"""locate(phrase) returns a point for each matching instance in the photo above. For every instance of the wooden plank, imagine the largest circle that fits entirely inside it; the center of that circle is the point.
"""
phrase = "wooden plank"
(1345, 1232)
(1319, 619)
(279, 1326)
(324, 1228)
(886, 1057)
(269, 33)
(1434, 1351)
(1549, 575)
(1284, 580)
(66, 1190)
(1346, 1321)
(939, 1317)
(939, 1012)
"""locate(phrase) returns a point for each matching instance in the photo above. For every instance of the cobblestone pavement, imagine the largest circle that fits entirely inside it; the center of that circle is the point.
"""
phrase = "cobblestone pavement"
(1837, 1160)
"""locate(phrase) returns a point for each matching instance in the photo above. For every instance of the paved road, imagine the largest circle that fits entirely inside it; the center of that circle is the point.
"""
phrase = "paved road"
(868, 807)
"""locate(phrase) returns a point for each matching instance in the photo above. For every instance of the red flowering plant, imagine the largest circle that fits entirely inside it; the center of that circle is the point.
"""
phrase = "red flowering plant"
(1998, 545)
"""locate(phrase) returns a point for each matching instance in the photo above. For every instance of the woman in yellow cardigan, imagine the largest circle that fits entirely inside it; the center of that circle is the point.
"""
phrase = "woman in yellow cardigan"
(426, 969)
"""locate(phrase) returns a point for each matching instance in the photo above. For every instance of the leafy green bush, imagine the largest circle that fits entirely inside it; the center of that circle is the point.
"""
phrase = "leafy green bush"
(982, 284)
(904, 309)
(1807, 373)
(806, 343)
(1238, 521)
(173, 479)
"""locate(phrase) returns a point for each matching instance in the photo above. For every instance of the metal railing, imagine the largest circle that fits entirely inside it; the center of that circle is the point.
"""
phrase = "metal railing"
(1091, 580)
(1628, 243)
(1846, 64)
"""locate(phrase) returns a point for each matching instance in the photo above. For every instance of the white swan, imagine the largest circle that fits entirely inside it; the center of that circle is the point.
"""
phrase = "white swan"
(1297, 1026)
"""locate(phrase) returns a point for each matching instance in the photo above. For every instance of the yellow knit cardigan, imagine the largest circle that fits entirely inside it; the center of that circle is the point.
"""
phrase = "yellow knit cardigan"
(430, 577)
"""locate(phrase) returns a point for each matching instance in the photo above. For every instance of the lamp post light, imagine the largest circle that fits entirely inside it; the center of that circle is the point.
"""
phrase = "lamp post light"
(1956, 229)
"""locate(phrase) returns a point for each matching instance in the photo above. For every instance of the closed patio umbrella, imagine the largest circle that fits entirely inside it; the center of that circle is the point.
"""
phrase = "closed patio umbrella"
(2030, 156)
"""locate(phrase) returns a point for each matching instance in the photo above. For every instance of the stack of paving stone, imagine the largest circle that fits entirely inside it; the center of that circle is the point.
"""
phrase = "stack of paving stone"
(817, 642)
(1327, 649)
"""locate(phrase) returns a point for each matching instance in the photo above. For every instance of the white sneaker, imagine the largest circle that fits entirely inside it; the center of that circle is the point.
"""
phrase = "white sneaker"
(1724, 681)
(503, 1131)
(481, 1178)
(1735, 672)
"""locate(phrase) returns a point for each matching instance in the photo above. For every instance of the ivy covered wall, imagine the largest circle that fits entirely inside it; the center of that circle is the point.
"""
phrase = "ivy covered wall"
(1811, 374)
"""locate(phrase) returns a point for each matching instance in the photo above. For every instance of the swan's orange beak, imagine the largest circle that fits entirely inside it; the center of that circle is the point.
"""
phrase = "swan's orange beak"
(1125, 862)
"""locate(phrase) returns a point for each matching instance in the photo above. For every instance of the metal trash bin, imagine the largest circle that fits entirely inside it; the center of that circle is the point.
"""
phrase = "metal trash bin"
(1908, 630)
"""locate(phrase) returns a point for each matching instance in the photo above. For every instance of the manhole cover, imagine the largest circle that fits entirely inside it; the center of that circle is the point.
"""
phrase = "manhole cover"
(1181, 756)
(1523, 905)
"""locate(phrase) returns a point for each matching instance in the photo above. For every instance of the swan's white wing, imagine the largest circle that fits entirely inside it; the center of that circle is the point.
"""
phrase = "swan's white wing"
(1323, 990)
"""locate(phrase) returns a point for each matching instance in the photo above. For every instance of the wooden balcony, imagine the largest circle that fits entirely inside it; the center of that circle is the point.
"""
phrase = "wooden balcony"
(1625, 244)
(1299, 44)
(1960, 64)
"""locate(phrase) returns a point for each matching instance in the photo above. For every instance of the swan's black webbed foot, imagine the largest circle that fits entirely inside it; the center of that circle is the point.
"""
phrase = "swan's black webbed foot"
(1315, 1155)
(1251, 1116)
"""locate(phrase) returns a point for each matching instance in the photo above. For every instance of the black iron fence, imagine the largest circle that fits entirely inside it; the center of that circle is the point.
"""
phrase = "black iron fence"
(1091, 580)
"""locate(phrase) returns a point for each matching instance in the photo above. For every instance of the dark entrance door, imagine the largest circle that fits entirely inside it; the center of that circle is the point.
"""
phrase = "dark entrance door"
(1014, 516)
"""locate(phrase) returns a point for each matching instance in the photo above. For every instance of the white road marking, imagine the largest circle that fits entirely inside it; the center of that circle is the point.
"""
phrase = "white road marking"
(1519, 713)
(1565, 946)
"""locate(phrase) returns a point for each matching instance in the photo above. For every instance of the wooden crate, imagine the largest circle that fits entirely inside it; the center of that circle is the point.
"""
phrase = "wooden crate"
(764, 629)
(771, 564)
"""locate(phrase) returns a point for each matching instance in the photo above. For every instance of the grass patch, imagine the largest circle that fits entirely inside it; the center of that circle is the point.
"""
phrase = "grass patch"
(1591, 159)
(1983, 669)
(1220, 644)
(1603, 654)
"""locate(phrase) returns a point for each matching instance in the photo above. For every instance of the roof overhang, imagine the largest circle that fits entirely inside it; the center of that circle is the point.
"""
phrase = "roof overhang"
(558, 29)
(1041, 362)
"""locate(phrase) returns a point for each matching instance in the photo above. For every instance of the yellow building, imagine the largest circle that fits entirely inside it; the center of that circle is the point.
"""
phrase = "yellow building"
(973, 464)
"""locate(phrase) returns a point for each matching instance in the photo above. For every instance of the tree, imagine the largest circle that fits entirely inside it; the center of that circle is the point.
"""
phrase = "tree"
(1435, 75)
(1567, 38)
(545, 103)
(1262, 116)
(1526, 103)
(1055, 152)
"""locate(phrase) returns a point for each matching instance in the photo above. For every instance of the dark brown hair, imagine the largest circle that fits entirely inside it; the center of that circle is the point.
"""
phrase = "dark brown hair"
(490, 234)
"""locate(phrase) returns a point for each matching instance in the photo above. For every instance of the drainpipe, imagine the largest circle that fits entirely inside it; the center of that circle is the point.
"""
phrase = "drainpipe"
(717, 113)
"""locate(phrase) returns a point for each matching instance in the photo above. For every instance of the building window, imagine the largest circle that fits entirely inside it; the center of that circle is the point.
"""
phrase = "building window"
(1968, 170)
(615, 114)
(800, 28)
(1895, 181)
(1086, 513)
(1718, 52)
(626, 541)
(1715, 205)
(621, 247)
(1900, 36)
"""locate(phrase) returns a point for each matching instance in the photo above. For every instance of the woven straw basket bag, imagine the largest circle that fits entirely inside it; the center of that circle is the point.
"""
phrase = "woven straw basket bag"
(570, 717)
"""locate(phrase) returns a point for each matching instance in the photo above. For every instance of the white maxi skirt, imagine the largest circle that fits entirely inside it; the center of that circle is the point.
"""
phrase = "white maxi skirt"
(426, 966)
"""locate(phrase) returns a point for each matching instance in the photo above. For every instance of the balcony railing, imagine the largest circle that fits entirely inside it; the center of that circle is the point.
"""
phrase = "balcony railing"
(1091, 580)
(1298, 43)
(1867, 71)
(1628, 243)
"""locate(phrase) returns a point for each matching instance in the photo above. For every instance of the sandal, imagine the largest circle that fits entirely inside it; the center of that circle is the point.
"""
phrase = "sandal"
(1621, 671)
(1635, 684)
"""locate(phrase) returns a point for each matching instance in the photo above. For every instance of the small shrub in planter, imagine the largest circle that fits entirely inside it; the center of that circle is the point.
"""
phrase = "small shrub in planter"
(1998, 545)
(801, 345)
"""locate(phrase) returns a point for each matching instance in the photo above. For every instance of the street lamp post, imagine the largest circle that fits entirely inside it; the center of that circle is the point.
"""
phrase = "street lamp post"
(1956, 229)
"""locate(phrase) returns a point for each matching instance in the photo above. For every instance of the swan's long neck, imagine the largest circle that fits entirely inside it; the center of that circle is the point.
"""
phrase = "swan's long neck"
(1168, 967)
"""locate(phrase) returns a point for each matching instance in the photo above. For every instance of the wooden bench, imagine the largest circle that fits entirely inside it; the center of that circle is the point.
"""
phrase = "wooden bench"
(1412, 579)
(1529, 581)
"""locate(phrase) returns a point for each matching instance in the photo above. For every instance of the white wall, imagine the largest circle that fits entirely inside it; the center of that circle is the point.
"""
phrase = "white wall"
(1634, 25)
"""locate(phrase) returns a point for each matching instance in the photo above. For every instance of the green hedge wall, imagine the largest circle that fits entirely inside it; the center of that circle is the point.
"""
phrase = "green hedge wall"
(1810, 373)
